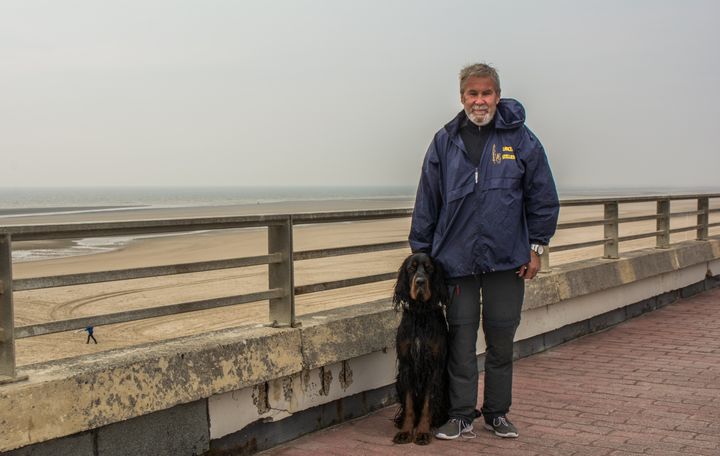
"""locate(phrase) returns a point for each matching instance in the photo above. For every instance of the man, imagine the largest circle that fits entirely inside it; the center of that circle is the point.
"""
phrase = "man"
(90, 330)
(485, 207)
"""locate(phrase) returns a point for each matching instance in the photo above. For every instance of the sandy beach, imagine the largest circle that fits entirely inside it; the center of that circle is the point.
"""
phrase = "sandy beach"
(86, 300)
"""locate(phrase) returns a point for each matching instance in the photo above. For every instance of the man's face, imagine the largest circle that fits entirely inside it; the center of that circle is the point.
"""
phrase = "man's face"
(480, 100)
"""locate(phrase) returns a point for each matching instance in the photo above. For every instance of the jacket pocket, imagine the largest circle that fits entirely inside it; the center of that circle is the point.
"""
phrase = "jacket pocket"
(503, 182)
(460, 192)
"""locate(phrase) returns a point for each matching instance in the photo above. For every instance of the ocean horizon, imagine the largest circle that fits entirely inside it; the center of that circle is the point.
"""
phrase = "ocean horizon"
(38, 200)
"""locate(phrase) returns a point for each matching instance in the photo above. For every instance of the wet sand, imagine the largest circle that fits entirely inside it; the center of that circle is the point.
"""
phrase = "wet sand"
(86, 300)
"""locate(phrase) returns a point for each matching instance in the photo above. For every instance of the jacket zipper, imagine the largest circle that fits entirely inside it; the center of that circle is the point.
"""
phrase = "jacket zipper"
(476, 175)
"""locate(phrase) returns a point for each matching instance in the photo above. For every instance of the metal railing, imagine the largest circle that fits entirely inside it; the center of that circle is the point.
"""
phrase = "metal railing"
(280, 260)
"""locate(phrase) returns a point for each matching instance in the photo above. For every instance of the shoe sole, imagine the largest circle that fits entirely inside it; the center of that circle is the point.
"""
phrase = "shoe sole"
(508, 435)
(453, 437)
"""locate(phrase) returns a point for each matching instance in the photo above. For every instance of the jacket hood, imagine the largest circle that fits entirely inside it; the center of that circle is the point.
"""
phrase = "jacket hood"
(510, 113)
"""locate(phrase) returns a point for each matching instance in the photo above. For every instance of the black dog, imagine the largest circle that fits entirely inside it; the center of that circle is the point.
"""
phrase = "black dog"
(421, 346)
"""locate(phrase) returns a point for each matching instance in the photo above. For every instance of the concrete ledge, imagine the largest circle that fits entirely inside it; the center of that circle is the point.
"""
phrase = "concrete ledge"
(70, 397)
(586, 277)
(64, 398)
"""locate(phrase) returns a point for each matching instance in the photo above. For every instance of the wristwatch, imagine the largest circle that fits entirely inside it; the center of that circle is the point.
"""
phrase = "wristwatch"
(537, 248)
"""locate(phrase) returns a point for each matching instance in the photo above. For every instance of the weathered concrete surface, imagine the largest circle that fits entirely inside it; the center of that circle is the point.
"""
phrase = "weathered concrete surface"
(284, 397)
(72, 396)
(179, 430)
(347, 333)
(578, 279)
(65, 398)
(76, 445)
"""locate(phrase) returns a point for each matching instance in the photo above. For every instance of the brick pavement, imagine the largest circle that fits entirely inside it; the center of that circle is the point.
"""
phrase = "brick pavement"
(650, 386)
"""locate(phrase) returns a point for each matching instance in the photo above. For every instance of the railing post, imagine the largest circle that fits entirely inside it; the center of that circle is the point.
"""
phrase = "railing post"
(703, 219)
(281, 275)
(612, 232)
(663, 224)
(7, 322)
(545, 260)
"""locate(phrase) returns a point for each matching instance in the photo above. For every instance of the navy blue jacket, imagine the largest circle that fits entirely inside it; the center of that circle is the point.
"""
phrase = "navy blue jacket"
(481, 219)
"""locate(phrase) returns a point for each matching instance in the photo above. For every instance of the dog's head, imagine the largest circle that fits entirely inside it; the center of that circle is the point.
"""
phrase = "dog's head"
(420, 282)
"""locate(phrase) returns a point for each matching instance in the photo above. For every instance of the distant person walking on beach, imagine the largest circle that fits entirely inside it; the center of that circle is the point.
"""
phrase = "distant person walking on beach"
(90, 331)
(486, 206)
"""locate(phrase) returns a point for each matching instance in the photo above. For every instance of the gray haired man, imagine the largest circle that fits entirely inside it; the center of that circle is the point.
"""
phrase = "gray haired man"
(485, 208)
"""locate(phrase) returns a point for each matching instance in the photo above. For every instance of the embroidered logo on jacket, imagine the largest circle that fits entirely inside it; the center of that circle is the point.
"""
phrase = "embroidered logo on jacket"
(496, 157)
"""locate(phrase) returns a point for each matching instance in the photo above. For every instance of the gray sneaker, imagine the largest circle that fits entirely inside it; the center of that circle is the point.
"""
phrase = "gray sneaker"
(453, 429)
(502, 427)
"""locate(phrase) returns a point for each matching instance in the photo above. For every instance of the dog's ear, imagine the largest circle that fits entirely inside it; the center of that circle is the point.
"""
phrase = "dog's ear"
(402, 286)
(439, 288)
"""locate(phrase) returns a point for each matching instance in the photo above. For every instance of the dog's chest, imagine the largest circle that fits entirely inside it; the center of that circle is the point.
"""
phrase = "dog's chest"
(417, 346)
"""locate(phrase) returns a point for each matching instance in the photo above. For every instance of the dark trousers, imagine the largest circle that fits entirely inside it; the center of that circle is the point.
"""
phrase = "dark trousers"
(498, 296)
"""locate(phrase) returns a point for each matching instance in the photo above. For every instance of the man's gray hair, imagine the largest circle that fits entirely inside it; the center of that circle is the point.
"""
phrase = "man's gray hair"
(479, 70)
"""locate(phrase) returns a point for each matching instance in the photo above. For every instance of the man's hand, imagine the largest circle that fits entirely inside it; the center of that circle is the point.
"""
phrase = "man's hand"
(530, 270)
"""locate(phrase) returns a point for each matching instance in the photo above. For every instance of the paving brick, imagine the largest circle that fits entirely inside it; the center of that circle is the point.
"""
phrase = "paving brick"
(646, 386)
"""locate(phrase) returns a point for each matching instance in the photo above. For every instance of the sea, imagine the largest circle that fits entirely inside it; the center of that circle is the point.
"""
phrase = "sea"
(34, 201)
(19, 203)
(16, 203)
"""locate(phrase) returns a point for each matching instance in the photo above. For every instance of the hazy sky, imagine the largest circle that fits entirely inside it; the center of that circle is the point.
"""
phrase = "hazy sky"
(170, 92)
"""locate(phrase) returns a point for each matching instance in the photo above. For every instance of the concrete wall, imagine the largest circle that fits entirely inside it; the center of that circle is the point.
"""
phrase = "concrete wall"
(241, 390)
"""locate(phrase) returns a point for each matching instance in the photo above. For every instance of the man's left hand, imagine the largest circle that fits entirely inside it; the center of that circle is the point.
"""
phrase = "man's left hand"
(530, 270)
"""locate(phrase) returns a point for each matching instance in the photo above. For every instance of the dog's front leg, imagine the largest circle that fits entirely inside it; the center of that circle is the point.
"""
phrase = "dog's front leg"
(405, 434)
(423, 436)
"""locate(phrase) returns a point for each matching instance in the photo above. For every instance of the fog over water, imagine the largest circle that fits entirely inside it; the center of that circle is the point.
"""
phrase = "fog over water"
(337, 93)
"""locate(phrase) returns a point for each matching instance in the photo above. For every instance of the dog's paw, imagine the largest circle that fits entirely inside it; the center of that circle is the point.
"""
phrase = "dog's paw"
(423, 438)
(403, 437)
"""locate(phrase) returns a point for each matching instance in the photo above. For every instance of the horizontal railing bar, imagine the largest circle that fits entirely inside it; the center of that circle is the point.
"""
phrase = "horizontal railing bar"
(680, 214)
(141, 314)
(711, 211)
(685, 228)
(37, 283)
(633, 237)
(585, 224)
(639, 218)
(711, 225)
(349, 216)
(580, 245)
(324, 286)
(577, 245)
(634, 199)
(135, 227)
(598, 222)
(349, 250)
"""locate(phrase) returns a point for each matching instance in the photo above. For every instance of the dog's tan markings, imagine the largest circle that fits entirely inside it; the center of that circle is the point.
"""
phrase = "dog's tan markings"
(413, 288)
(435, 348)
(422, 436)
(403, 347)
(405, 434)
